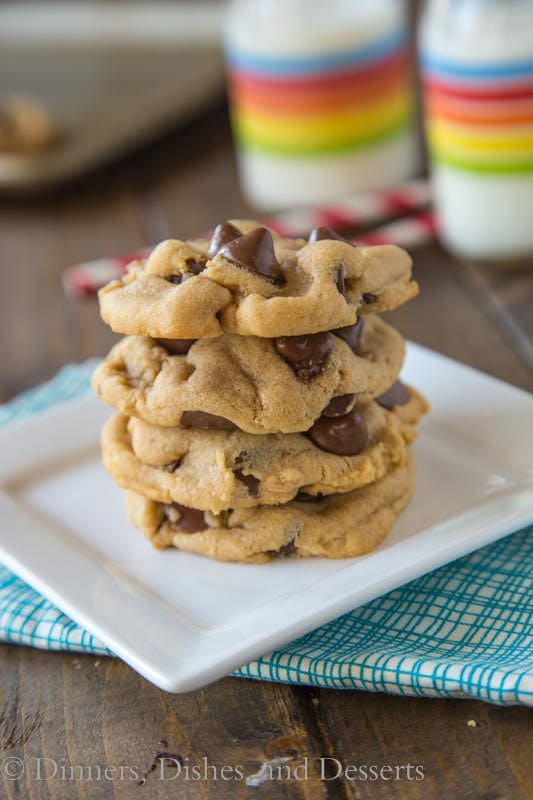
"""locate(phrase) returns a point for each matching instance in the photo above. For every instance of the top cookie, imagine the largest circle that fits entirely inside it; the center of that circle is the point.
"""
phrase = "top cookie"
(250, 281)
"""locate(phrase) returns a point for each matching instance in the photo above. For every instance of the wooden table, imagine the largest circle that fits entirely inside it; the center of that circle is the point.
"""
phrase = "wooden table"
(80, 710)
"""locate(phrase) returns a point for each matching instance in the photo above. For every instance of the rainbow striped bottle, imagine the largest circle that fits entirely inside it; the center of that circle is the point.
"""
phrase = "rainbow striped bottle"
(477, 62)
(321, 98)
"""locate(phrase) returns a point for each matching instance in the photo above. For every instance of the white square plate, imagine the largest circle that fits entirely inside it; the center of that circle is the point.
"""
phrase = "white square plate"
(182, 620)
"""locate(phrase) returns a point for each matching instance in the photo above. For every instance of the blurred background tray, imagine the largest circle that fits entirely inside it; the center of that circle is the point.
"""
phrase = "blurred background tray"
(112, 76)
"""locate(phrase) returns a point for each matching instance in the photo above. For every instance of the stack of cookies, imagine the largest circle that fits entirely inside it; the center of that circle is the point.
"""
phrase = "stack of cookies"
(260, 411)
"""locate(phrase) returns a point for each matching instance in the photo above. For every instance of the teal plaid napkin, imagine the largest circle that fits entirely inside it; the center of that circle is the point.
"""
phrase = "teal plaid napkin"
(464, 630)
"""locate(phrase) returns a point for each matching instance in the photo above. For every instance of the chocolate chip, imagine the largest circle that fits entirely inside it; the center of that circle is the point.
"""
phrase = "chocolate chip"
(176, 347)
(338, 406)
(352, 335)
(397, 395)
(323, 232)
(255, 253)
(344, 436)
(242, 459)
(287, 549)
(250, 481)
(191, 520)
(305, 354)
(341, 282)
(195, 265)
(223, 233)
(172, 466)
(369, 298)
(200, 419)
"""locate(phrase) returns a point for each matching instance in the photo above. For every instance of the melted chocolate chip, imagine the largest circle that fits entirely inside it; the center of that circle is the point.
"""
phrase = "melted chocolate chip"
(223, 233)
(191, 520)
(172, 467)
(305, 354)
(250, 481)
(397, 395)
(323, 232)
(344, 436)
(195, 265)
(341, 282)
(352, 335)
(369, 298)
(338, 406)
(255, 253)
(176, 347)
(286, 549)
(200, 419)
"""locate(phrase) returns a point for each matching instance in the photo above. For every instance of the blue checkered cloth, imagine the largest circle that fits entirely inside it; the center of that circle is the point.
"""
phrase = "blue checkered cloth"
(464, 630)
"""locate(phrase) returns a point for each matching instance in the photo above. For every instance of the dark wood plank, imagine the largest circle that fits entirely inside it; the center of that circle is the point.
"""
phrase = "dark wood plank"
(37, 241)
(446, 318)
(461, 747)
(71, 713)
(79, 712)
(506, 295)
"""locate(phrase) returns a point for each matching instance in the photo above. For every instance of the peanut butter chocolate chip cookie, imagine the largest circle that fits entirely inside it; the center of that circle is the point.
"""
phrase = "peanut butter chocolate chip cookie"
(250, 281)
(216, 470)
(257, 385)
(337, 526)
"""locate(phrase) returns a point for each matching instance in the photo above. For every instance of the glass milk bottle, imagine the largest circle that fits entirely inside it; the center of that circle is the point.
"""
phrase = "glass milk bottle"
(320, 97)
(477, 63)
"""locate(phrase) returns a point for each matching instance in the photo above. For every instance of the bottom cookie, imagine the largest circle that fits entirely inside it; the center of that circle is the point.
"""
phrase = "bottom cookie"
(337, 526)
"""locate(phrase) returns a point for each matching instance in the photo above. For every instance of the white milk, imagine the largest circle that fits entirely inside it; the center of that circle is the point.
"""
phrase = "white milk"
(487, 46)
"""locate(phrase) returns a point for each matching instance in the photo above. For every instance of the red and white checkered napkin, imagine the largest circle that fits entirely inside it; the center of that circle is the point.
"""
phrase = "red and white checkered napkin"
(364, 209)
